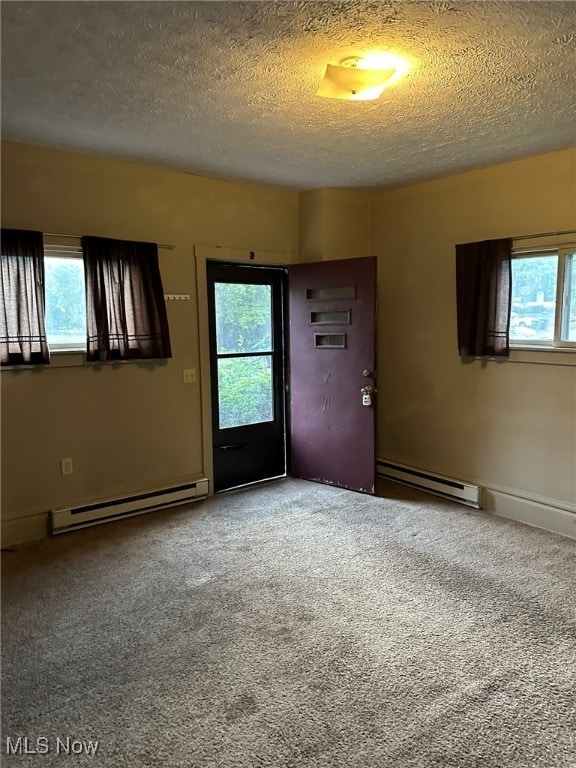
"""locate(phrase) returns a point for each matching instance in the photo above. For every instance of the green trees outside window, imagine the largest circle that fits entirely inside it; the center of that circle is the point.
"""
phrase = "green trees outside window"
(65, 299)
(243, 327)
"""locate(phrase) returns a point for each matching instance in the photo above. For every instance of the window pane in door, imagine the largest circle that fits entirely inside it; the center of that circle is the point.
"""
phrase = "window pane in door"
(243, 318)
(245, 391)
(534, 280)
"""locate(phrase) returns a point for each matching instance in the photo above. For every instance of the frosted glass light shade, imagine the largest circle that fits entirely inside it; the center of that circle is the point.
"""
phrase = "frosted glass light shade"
(353, 83)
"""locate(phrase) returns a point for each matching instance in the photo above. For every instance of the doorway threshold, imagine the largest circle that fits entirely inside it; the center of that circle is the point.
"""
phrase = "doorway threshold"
(254, 484)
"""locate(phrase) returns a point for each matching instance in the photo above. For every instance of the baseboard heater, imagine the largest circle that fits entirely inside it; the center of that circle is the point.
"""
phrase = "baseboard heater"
(439, 485)
(71, 518)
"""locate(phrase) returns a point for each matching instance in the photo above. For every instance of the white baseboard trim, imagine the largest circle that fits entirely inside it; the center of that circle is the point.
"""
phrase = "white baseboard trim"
(23, 529)
(556, 517)
(540, 512)
(430, 482)
(544, 512)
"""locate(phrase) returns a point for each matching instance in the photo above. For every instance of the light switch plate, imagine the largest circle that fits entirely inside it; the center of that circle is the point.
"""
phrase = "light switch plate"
(189, 375)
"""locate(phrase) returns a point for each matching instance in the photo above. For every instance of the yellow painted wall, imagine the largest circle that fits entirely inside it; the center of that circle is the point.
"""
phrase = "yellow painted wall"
(127, 427)
(505, 425)
(334, 224)
(130, 426)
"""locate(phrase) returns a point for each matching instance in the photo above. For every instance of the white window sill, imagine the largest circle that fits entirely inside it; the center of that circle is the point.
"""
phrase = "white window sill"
(77, 359)
(543, 355)
(61, 359)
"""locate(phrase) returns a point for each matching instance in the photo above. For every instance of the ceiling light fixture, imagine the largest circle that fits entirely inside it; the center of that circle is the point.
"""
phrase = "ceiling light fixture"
(358, 78)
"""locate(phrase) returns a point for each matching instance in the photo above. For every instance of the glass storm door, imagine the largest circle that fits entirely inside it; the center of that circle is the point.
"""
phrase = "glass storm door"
(247, 372)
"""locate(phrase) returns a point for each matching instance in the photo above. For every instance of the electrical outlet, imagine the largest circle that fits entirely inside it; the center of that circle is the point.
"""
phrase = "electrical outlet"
(66, 466)
(189, 375)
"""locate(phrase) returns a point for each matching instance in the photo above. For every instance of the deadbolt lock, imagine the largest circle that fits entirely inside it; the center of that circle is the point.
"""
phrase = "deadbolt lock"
(367, 393)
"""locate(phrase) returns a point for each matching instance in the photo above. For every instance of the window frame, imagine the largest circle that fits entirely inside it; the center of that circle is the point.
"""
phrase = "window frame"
(556, 344)
(54, 249)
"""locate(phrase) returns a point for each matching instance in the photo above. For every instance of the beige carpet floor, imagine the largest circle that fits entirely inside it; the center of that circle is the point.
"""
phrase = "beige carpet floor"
(293, 625)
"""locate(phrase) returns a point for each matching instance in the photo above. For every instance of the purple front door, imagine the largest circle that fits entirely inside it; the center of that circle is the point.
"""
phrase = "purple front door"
(332, 370)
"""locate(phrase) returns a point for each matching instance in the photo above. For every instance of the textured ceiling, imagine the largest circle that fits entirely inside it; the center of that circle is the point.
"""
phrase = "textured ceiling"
(227, 89)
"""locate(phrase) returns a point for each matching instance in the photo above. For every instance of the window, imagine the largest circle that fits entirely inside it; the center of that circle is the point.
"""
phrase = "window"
(244, 353)
(105, 299)
(543, 309)
(125, 317)
(65, 299)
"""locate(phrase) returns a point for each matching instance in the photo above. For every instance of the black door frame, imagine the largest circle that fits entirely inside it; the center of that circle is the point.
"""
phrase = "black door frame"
(235, 463)
(201, 462)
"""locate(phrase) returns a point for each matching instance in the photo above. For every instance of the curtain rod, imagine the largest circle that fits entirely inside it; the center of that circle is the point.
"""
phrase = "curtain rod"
(79, 237)
(545, 234)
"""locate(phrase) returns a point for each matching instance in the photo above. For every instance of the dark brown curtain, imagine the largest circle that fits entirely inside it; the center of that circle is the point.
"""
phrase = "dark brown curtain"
(483, 288)
(22, 332)
(125, 308)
